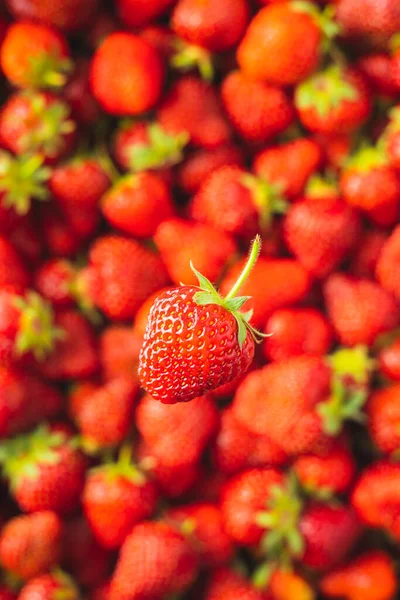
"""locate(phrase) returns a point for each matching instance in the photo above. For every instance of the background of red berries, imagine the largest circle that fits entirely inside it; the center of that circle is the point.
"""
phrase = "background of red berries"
(137, 136)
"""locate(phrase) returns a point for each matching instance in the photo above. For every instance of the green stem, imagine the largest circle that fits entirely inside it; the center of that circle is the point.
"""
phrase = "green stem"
(251, 261)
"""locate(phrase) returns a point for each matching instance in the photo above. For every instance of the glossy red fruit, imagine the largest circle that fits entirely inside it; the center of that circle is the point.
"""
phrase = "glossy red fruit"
(387, 265)
(137, 13)
(67, 15)
(226, 584)
(383, 411)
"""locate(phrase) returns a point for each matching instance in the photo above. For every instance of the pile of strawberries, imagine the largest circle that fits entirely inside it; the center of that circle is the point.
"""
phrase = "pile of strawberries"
(145, 144)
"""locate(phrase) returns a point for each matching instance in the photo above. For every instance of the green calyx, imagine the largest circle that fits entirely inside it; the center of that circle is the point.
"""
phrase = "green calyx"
(283, 539)
(321, 187)
(325, 91)
(163, 150)
(66, 589)
(325, 20)
(49, 70)
(123, 467)
(351, 368)
(267, 197)
(188, 57)
(22, 456)
(209, 295)
(21, 179)
(51, 123)
(367, 158)
(36, 330)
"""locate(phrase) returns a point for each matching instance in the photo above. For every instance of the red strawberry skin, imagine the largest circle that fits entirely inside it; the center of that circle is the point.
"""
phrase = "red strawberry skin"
(68, 15)
(226, 584)
(189, 349)
(383, 411)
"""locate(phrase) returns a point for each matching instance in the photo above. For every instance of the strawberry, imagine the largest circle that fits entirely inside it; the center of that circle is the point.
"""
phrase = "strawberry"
(259, 111)
(136, 273)
(44, 470)
(389, 357)
(119, 351)
(321, 233)
(22, 178)
(137, 204)
(177, 434)
(154, 561)
(31, 544)
(24, 401)
(235, 448)
(217, 26)
(59, 236)
(142, 315)
(104, 417)
(366, 256)
(383, 410)
(13, 272)
(359, 309)
(328, 470)
(289, 165)
(387, 265)
(27, 326)
(286, 584)
(126, 74)
(293, 34)
(35, 55)
(140, 145)
(77, 92)
(296, 331)
(84, 558)
(75, 355)
(180, 242)
(370, 576)
(235, 201)
(137, 13)
(368, 182)
(376, 496)
(202, 525)
(226, 584)
(379, 71)
(383, 21)
(121, 489)
(200, 164)
(191, 106)
(54, 280)
(272, 284)
(335, 100)
(391, 138)
(49, 587)
(67, 15)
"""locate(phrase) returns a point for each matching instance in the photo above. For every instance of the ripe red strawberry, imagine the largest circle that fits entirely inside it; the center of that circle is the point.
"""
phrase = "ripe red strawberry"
(154, 561)
(202, 525)
(217, 26)
(376, 496)
(126, 74)
(119, 489)
(359, 309)
(383, 411)
(233, 200)
(84, 558)
(181, 242)
(49, 587)
(321, 233)
(236, 448)
(44, 470)
(67, 15)
(137, 13)
(200, 164)
(292, 34)
(289, 165)
(226, 584)
(383, 21)
(368, 182)
(296, 331)
(192, 107)
(104, 417)
(37, 122)
(391, 138)
(34, 55)
(370, 576)
(54, 280)
(387, 269)
(142, 315)
(379, 71)
(31, 544)
(137, 204)
(136, 273)
(177, 434)
(119, 352)
(335, 100)
(389, 357)
(272, 284)
(286, 584)
(24, 401)
(141, 145)
(366, 256)
(75, 355)
(13, 272)
(329, 470)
